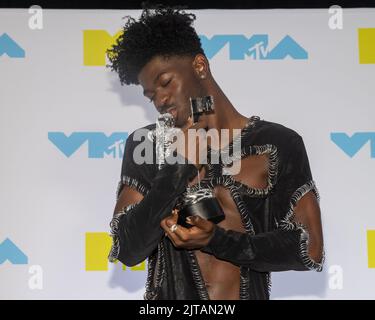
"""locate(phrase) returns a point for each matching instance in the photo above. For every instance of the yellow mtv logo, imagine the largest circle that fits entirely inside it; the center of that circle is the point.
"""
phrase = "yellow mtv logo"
(366, 44)
(95, 45)
(98, 245)
(371, 248)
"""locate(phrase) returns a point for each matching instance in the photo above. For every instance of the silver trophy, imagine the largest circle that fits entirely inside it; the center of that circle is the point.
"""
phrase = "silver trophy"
(195, 200)
(199, 202)
(163, 135)
(201, 105)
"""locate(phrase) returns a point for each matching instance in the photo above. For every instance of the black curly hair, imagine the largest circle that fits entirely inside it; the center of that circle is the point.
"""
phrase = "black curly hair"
(162, 31)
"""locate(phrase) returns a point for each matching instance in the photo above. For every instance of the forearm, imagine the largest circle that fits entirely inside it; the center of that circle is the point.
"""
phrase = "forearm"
(279, 250)
(138, 229)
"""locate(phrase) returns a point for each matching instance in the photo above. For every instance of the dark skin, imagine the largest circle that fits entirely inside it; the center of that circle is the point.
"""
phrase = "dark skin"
(169, 83)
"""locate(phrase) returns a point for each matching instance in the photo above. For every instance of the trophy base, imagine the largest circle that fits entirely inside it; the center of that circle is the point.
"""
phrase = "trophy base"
(208, 209)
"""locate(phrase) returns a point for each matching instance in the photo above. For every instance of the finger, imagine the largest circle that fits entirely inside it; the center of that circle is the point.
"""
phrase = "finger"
(188, 124)
(181, 234)
(167, 231)
(201, 123)
(178, 236)
(172, 236)
(168, 220)
(200, 223)
(171, 220)
(164, 226)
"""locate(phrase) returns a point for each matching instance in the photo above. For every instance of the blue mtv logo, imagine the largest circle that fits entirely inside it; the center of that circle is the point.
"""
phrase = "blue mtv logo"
(352, 144)
(99, 144)
(256, 47)
(9, 251)
(10, 47)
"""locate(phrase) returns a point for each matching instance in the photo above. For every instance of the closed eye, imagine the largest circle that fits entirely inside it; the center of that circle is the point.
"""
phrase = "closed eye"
(166, 83)
(163, 85)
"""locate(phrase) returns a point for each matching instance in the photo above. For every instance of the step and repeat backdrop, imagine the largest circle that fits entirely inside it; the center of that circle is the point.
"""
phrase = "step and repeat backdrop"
(64, 119)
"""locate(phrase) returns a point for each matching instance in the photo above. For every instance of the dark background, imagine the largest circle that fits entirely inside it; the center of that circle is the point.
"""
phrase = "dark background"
(224, 4)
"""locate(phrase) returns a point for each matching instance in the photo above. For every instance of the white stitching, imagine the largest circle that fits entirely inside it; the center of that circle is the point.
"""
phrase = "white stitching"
(287, 223)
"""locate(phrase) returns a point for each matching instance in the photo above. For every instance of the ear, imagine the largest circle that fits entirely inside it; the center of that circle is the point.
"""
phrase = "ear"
(200, 66)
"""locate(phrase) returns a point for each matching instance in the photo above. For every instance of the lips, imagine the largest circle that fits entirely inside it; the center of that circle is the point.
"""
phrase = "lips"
(172, 111)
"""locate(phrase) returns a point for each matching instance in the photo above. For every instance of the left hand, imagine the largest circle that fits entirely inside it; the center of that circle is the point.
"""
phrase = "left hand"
(195, 237)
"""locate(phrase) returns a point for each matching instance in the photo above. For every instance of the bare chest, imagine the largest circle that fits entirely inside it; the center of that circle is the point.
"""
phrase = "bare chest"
(222, 278)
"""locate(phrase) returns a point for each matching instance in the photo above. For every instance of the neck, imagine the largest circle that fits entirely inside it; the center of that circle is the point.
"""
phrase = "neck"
(225, 115)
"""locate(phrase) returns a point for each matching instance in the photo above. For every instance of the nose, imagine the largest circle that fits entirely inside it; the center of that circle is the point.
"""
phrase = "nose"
(161, 103)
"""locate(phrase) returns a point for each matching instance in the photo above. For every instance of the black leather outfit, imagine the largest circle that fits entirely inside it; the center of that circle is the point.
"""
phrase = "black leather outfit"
(272, 242)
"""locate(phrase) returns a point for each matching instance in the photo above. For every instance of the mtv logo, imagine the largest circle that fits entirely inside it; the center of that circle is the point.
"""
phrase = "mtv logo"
(256, 47)
(99, 144)
(371, 248)
(10, 47)
(366, 45)
(95, 45)
(98, 246)
(9, 251)
(352, 145)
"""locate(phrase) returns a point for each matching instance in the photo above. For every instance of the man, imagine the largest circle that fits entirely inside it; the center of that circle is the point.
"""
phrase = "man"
(272, 216)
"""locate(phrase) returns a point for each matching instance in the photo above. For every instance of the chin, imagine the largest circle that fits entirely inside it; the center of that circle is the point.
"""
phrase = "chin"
(182, 117)
(180, 123)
